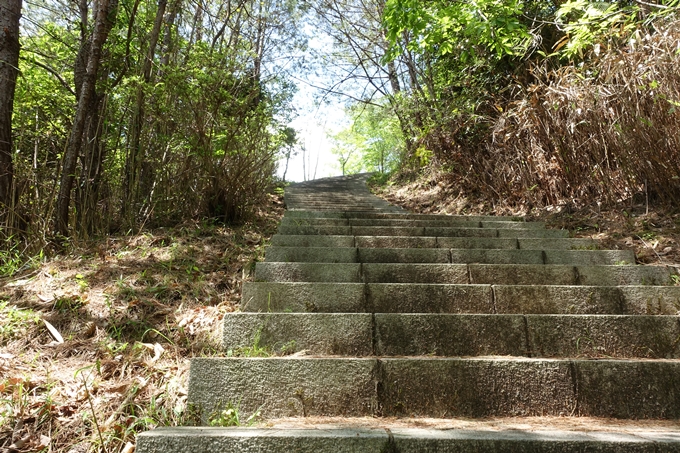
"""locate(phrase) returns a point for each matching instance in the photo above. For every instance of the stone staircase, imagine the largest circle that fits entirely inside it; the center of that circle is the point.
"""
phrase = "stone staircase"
(397, 332)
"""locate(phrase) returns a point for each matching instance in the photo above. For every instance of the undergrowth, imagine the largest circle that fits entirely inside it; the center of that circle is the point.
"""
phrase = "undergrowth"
(95, 343)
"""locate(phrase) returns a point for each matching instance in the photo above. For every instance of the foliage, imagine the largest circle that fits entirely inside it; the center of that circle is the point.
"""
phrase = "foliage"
(372, 143)
(465, 28)
(189, 128)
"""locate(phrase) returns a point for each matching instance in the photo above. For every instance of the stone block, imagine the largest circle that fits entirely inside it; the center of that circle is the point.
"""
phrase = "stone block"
(415, 273)
(347, 334)
(628, 389)
(604, 336)
(395, 242)
(651, 300)
(526, 274)
(485, 256)
(266, 297)
(557, 299)
(589, 257)
(557, 244)
(311, 254)
(449, 335)
(477, 243)
(403, 255)
(476, 387)
(312, 241)
(428, 298)
(308, 272)
(283, 387)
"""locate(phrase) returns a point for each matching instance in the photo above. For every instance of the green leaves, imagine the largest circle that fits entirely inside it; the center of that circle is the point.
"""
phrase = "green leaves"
(465, 28)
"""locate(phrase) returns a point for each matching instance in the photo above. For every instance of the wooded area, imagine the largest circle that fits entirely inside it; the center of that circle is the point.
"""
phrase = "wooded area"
(130, 114)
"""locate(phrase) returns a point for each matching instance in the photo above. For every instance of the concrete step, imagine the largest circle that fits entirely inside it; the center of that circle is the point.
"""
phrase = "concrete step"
(421, 231)
(344, 437)
(453, 223)
(498, 274)
(404, 215)
(399, 334)
(270, 297)
(442, 255)
(433, 242)
(436, 387)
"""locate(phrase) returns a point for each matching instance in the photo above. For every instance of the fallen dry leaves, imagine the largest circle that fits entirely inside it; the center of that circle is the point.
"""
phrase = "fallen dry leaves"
(95, 345)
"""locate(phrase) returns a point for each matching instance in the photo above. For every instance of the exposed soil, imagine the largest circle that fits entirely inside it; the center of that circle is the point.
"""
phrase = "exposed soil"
(127, 314)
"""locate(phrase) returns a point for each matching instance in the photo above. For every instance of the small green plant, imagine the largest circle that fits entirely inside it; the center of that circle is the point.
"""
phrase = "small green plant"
(14, 321)
(69, 303)
(230, 416)
(82, 283)
(255, 350)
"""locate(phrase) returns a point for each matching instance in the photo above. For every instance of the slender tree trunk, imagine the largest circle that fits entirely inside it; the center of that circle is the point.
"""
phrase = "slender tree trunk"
(10, 13)
(136, 156)
(105, 13)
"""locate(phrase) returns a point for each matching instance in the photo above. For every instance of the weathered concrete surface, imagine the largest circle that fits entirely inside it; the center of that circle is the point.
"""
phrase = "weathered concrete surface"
(396, 242)
(513, 274)
(475, 387)
(349, 334)
(280, 387)
(312, 230)
(651, 300)
(557, 299)
(555, 274)
(424, 298)
(415, 273)
(401, 440)
(509, 225)
(604, 336)
(557, 244)
(449, 335)
(296, 221)
(477, 243)
(589, 257)
(312, 254)
(437, 387)
(308, 272)
(267, 297)
(384, 255)
(312, 241)
(624, 275)
(496, 256)
(515, 233)
(403, 215)
(628, 389)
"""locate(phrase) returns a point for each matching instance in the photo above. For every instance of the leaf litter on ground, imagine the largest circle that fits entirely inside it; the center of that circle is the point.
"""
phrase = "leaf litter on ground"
(95, 345)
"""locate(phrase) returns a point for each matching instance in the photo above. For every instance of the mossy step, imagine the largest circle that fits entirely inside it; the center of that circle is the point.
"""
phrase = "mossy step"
(404, 215)
(420, 231)
(436, 387)
(443, 222)
(399, 334)
(433, 242)
(498, 274)
(445, 255)
(334, 439)
(266, 297)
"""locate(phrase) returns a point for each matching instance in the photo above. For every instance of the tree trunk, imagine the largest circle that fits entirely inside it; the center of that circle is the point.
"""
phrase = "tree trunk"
(136, 156)
(10, 13)
(105, 14)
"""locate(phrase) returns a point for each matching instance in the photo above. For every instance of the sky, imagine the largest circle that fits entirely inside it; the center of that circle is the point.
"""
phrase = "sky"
(315, 122)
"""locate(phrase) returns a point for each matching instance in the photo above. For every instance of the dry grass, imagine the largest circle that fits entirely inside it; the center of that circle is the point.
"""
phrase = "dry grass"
(607, 130)
(131, 311)
(652, 231)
